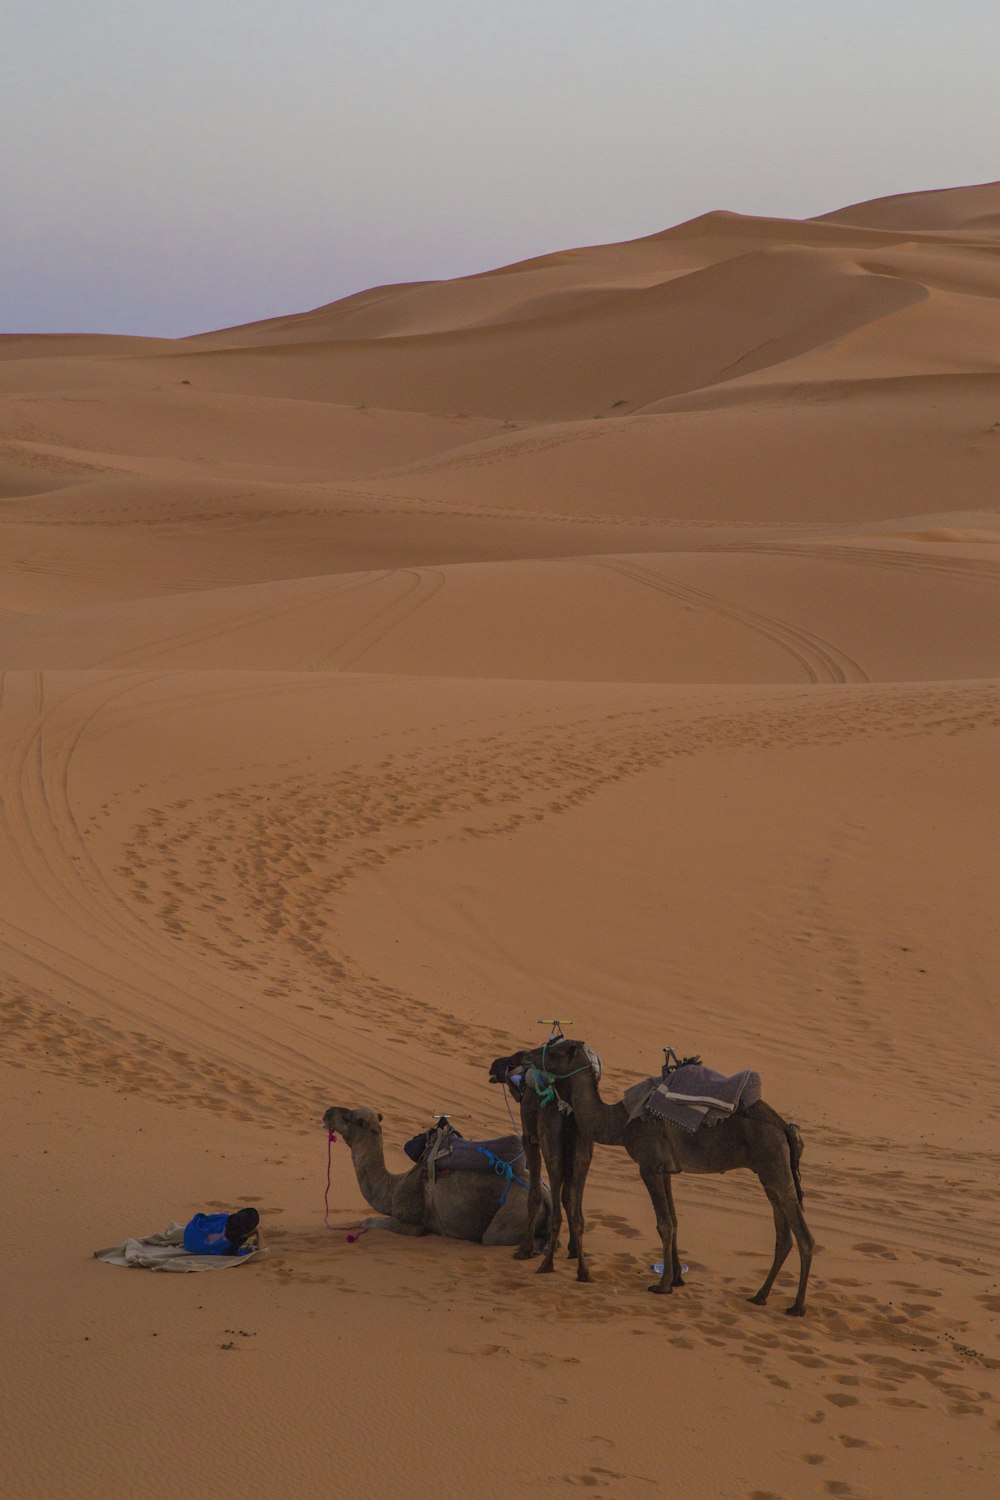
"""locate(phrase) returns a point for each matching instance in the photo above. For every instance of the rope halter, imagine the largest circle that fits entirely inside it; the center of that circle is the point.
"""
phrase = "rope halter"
(544, 1083)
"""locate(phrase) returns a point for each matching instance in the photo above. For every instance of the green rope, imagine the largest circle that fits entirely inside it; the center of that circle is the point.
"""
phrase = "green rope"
(547, 1092)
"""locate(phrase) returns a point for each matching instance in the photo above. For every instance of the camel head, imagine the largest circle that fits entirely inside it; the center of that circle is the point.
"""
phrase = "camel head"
(501, 1068)
(354, 1125)
(562, 1058)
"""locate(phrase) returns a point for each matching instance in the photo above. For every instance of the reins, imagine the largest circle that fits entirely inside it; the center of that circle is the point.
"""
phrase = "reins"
(355, 1230)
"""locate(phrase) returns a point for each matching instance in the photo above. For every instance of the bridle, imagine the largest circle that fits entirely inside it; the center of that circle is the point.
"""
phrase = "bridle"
(544, 1082)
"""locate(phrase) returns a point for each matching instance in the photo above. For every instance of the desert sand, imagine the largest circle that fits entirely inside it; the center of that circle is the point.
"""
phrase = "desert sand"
(612, 637)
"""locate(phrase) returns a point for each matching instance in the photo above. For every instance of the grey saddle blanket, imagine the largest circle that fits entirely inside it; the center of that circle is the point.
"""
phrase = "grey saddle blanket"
(693, 1096)
(461, 1155)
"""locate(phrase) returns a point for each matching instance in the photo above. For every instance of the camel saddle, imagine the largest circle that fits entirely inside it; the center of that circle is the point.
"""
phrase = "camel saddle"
(445, 1150)
(692, 1096)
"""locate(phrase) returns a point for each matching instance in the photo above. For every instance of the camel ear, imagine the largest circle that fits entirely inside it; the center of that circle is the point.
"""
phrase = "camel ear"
(379, 1113)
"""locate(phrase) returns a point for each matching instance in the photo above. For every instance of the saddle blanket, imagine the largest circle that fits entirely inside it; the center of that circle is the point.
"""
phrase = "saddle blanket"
(470, 1156)
(451, 1152)
(693, 1096)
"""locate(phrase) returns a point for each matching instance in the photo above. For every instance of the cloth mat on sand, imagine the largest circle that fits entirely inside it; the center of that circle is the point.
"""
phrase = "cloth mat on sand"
(165, 1252)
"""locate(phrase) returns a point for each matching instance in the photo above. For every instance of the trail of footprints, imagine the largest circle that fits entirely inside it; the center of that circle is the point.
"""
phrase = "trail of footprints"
(294, 845)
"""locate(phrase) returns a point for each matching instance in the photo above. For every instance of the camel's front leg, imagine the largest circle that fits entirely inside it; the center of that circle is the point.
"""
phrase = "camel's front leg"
(657, 1188)
(676, 1278)
(554, 1168)
(394, 1226)
(583, 1151)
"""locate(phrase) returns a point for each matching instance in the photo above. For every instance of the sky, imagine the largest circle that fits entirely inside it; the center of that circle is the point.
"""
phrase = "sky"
(168, 168)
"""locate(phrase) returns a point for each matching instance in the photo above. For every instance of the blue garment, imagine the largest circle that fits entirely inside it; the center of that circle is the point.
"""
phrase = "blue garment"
(206, 1235)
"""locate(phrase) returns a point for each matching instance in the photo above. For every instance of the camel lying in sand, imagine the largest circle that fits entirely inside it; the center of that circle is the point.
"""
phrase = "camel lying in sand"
(459, 1205)
(759, 1140)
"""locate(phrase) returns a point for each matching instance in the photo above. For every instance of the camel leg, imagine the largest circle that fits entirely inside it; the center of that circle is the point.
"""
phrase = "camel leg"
(805, 1244)
(554, 1167)
(394, 1226)
(582, 1153)
(657, 1186)
(676, 1279)
(572, 1249)
(782, 1245)
(506, 1226)
(532, 1151)
(788, 1220)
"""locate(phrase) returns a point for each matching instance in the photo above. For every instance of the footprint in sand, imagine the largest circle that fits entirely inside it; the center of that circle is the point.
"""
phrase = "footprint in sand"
(479, 1349)
(873, 1248)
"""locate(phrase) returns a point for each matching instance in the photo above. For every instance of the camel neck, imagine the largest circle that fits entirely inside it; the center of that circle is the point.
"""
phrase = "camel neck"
(604, 1123)
(374, 1178)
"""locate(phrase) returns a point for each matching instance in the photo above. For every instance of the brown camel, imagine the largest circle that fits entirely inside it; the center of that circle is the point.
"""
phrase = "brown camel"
(552, 1134)
(758, 1140)
(459, 1205)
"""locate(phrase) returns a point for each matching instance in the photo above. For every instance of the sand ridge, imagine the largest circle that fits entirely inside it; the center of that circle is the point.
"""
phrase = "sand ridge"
(610, 636)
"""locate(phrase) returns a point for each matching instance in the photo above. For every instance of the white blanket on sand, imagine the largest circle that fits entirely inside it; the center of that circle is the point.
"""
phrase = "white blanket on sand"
(165, 1252)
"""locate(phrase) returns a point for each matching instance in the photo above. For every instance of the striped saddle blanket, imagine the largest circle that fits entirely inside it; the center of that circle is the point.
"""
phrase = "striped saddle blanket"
(693, 1095)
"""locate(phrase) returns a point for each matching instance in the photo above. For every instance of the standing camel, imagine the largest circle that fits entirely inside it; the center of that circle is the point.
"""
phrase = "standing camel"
(758, 1140)
(552, 1134)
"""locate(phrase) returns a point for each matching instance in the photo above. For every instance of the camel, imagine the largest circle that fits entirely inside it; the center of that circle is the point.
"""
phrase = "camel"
(459, 1205)
(552, 1134)
(758, 1140)
(567, 1155)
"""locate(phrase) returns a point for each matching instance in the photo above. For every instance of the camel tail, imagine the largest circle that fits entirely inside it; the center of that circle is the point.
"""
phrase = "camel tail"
(793, 1135)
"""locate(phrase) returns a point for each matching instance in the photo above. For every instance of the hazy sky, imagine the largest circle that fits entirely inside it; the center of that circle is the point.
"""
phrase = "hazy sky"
(168, 166)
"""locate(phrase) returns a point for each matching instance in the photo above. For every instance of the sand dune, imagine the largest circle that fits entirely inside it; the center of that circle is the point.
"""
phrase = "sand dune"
(947, 209)
(613, 636)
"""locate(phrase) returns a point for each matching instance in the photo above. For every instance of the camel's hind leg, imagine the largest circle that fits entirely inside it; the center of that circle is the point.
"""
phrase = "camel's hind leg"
(506, 1226)
(533, 1155)
(658, 1188)
(782, 1245)
(788, 1221)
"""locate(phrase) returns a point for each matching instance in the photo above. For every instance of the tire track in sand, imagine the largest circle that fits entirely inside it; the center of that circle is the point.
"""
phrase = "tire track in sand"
(819, 659)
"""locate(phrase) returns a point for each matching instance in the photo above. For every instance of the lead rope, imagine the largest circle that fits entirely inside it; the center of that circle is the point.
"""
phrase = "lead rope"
(356, 1230)
(510, 1112)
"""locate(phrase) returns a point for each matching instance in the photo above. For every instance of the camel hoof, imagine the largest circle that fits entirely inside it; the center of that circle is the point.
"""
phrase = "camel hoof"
(660, 1289)
(583, 1276)
(545, 1269)
(795, 1311)
(523, 1254)
(757, 1301)
(678, 1281)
